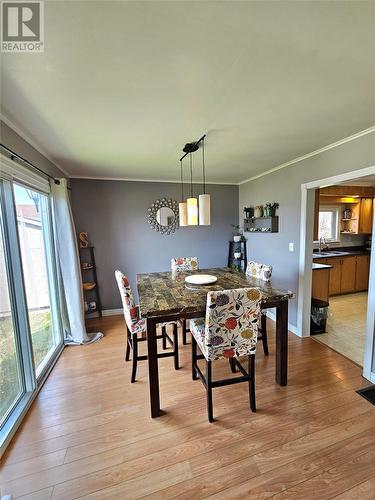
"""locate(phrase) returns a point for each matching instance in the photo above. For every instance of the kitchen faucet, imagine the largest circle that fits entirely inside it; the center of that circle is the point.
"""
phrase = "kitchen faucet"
(323, 245)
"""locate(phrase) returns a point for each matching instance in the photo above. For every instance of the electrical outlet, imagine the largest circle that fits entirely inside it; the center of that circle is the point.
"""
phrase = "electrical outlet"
(291, 247)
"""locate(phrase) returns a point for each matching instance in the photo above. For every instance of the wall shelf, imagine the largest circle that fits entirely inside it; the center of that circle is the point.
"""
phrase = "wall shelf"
(262, 224)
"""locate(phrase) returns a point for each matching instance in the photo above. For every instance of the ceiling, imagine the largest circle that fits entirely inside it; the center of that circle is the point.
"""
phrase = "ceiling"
(122, 86)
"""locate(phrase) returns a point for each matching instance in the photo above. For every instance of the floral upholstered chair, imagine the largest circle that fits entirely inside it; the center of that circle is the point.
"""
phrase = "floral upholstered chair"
(179, 264)
(229, 330)
(261, 272)
(137, 326)
(185, 264)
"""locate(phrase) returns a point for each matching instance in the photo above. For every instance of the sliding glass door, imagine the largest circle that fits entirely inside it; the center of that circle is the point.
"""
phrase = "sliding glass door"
(33, 221)
(30, 327)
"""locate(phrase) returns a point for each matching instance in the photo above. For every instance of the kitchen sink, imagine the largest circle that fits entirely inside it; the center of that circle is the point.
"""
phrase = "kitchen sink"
(331, 253)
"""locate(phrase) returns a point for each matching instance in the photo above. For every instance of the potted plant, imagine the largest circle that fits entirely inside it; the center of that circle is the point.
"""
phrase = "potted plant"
(236, 233)
(270, 209)
(249, 212)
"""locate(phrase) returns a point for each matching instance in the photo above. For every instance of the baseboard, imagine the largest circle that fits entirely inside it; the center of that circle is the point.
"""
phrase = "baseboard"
(271, 315)
(112, 312)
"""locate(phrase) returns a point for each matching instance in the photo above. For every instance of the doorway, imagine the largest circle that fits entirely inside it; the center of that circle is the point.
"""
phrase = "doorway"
(351, 287)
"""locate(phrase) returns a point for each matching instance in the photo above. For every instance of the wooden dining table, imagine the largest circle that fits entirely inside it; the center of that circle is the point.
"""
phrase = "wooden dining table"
(165, 296)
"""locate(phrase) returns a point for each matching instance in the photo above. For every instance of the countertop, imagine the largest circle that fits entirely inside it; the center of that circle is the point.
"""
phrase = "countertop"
(316, 266)
(349, 251)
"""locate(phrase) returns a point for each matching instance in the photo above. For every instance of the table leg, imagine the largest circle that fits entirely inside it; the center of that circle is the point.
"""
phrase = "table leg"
(153, 370)
(282, 343)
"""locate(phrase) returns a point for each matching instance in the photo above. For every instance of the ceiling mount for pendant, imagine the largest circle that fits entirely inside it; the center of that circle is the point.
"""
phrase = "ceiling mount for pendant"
(191, 147)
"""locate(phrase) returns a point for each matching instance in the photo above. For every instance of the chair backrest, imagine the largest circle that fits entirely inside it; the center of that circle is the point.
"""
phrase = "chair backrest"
(131, 312)
(185, 264)
(231, 327)
(260, 271)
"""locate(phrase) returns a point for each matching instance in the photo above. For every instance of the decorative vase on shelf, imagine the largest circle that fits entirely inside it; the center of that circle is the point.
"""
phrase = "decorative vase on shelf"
(236, 238)
(258, 211)
(237, 255)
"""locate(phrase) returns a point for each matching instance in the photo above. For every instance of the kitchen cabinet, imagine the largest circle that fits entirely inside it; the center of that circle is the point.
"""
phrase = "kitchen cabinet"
(362, 272)
(365, 216)
(320, 284)
(348, 272)
(316, 214)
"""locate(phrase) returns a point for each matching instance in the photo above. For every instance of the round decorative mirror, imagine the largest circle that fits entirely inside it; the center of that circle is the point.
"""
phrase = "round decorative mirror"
(163, 216)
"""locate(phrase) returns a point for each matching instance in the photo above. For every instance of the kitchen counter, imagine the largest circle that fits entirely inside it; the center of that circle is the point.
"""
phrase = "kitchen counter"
(340, 252)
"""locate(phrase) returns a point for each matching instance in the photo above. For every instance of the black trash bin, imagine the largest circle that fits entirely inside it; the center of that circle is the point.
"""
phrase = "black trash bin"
(319, 314)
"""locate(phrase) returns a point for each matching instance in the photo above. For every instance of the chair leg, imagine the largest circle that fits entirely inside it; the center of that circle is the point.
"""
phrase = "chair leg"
(251, 371)
(264, 334)
(175, 346)
(232, 365)
(128, 341)
(164, 339)
(184, 341)
(135, 357)
(209, 391)
(194, 375)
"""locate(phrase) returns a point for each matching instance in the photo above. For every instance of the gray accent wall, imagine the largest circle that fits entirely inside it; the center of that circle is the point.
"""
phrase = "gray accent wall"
(114, 215)
(17, 144)
(284, 186)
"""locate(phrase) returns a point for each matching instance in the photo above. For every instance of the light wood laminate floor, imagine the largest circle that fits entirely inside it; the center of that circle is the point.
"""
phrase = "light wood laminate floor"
(346, 326)
(89, 434)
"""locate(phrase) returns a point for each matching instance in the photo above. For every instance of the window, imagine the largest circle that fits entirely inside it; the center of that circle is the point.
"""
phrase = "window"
(329, 223)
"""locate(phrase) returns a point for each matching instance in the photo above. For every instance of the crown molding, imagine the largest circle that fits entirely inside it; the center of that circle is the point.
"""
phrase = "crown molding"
(31, 142)
(313, 153)
(165, 181)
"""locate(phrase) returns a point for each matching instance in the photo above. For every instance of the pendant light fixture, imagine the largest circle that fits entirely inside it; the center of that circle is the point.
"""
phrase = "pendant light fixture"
(204, 199)
(192, 203)
(182, 207)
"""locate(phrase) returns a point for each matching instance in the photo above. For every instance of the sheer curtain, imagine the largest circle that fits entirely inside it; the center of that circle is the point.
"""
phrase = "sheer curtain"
(71, 294)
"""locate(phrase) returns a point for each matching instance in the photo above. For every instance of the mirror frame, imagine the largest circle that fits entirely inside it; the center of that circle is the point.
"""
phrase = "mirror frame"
(152, 215)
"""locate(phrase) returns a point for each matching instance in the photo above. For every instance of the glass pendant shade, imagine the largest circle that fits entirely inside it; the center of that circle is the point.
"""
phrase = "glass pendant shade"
(183, 212)
(192, 211)
(204, 209)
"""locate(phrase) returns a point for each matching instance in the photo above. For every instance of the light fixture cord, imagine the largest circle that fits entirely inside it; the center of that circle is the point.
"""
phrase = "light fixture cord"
(191, 175)
(182, 184)
(204, 169)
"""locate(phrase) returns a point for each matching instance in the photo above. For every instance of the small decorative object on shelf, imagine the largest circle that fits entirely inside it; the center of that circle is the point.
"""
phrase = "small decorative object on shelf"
(258, 211)
(249, 212)
(83, 240)
(89, 277)
(237, 256)
(270, 209)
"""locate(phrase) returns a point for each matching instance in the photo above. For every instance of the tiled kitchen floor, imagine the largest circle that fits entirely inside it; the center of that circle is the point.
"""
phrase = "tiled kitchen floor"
(346, 327)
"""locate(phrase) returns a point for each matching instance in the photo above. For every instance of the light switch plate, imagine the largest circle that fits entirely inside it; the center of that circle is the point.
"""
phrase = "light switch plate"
(291, 247)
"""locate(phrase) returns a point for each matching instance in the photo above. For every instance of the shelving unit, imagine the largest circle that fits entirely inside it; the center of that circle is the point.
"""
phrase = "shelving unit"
(87, 256)
(262, 224)
(234, 247)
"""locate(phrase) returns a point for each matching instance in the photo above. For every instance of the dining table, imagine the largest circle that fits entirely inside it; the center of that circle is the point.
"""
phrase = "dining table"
(166, 297)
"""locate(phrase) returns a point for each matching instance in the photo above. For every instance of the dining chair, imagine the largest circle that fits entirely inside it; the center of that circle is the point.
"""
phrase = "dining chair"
(136, 326)
(229, 330)
(261, 272)
(179, 264)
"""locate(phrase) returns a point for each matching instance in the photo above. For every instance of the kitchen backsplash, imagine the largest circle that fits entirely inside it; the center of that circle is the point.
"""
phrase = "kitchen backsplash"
(348, 240)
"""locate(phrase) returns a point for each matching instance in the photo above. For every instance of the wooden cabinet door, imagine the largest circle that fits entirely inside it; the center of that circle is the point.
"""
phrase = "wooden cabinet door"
(365, 216)
(348, 272)
(316, 214)
(362, 273)
(334, 276)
